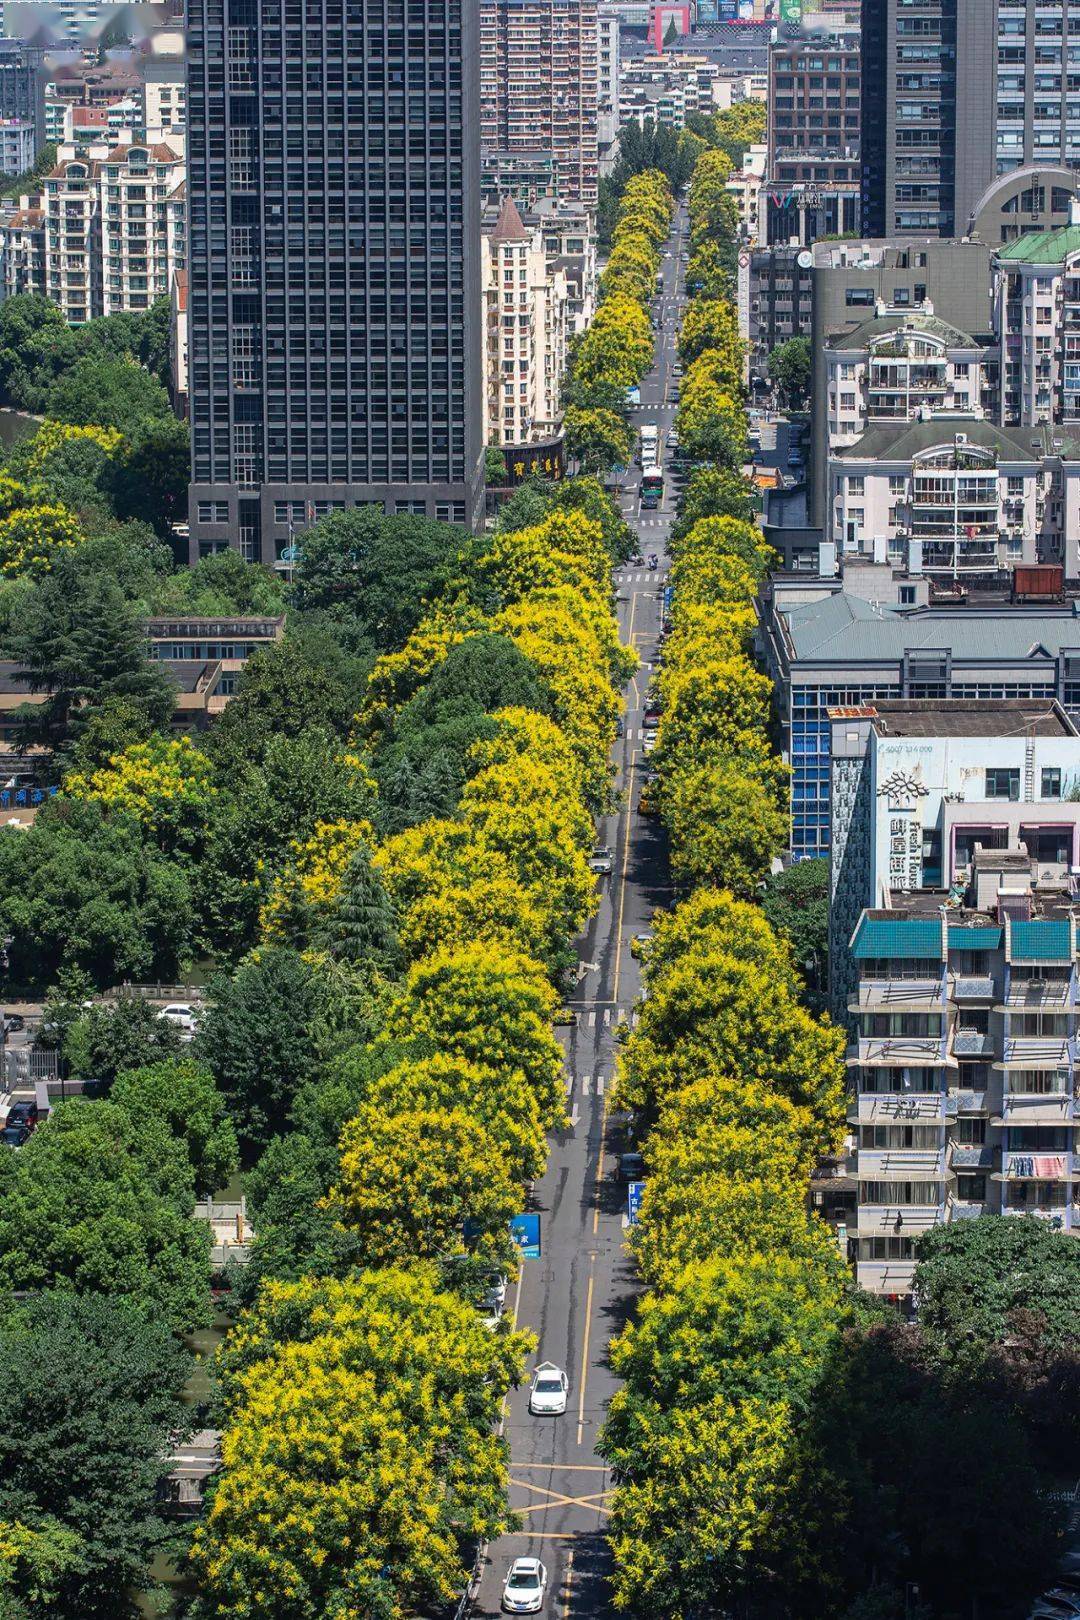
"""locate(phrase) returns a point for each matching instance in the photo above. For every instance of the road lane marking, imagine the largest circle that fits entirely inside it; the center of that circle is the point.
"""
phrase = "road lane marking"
(599, 1172)
(567, 1468)
(585, 1345)
(567, 1580)
(592, 1504)
(622, 874)
(586, 1085)
(599, 1085)
(559, 1498)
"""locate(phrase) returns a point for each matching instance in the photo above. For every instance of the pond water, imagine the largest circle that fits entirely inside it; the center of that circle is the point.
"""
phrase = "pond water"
(15, 425)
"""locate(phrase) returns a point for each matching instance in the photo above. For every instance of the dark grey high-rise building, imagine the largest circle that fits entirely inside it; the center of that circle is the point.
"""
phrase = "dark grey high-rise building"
(956, 94)
(334, 303)
(22, 85)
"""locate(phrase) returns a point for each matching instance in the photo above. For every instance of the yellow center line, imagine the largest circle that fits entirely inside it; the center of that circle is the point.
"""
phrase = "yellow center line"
(573, 1468)
(567, 1578)
(585, 1352)
(513, 1323)
(622, 877)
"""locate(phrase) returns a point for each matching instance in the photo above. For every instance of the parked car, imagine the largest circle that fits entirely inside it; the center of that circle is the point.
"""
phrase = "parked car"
(14, 1136)
(602, 860)
(525, 1586)
(24, 1112)
(620, 727)
(13, 1023)
(548, 1395)
(794, 458)
(183, 1016)
(639, 945)
(630, 1167)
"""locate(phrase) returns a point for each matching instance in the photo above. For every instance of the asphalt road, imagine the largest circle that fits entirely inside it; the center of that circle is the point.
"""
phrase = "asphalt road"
(578, 1294)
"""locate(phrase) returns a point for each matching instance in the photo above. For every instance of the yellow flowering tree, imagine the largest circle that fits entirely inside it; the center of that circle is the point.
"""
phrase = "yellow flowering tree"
(166, 783)
(32, 538)
(308, 886)
(51, 435)
(360, 1453)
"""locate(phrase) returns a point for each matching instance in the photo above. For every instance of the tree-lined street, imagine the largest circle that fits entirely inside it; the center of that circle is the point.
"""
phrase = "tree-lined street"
(576, 1296)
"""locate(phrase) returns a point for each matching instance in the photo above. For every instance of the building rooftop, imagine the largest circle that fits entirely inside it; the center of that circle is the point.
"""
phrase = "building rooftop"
(902, 440)
(882, 325)
(1043, 247)
(842, 628)
(964, 717)
(508, 226)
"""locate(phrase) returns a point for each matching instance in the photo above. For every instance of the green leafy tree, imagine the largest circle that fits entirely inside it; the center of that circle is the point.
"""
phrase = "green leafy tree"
(81, 1454)
(298, 685)
(374, 571)
(182, 1095)
(972, 1277)
(83, 646)
(222, 583)
(102, 1040)
(494, 465)
(80, 889)
(258, 1040)
(789, 368)
(107, 393)
(149, 481)
(97, 1204)
(796, 902)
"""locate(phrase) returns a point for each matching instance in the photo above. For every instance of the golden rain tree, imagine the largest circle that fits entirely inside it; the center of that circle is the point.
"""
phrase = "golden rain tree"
(360, 1450)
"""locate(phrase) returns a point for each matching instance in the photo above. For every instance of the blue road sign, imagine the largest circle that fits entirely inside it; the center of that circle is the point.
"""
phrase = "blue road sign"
(634, 1190)
(525, 1232)
(290, 554)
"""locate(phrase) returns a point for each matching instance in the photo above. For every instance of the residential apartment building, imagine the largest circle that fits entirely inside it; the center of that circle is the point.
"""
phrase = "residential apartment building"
(957, 499)
(569, 236)
(1037, 322)
(956, 93)
(813, 183)
(334, 277)
(825, 647)
(745, 186)
(525, 329)
(112, 230)
(22, 248)
(953, 962)
(18, 145)
(664, 87)
(608, 57)
(539, 87)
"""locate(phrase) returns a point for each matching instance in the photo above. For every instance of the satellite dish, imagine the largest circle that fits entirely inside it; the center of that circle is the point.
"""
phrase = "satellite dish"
(805, 259)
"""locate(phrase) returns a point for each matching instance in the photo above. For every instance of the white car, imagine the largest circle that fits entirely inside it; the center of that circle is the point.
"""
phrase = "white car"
(547, 1397)
(182, 1016)
(602, 860)
(493, 1304)
(525, 1586)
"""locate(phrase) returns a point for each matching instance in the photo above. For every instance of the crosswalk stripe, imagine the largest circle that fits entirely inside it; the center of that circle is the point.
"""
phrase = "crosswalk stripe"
(586, 1085)
(599, 1085)
(607, 1016)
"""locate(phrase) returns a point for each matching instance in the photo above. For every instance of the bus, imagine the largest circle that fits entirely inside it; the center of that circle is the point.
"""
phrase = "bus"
(652, 486)
(650, 444)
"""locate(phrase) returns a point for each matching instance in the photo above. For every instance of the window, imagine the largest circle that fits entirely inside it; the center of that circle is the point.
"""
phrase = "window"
(858, 296)
(907, 596)
(1003, 782)
(213, 511)
(971, 1189)
(1051, 782)
(856, 486)
(971, 1132)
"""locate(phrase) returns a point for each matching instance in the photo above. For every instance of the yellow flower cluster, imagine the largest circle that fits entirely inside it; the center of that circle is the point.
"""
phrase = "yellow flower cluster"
(32, 537)
(166, 783)
(311, 878)
(51, 435)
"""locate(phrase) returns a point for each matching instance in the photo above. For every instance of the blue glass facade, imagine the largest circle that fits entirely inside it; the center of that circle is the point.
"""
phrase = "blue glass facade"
(810, 755)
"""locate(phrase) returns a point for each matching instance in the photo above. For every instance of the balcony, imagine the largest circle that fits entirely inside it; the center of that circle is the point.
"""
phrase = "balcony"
(1037, 1052)
(899, 1107)
(910, 1164)
(1036, 995)
(897, 1052)
(889, 1220)
(898, 995)
(885, 1276)
(968, 987)
(1037, 1108)
(1038, 1166)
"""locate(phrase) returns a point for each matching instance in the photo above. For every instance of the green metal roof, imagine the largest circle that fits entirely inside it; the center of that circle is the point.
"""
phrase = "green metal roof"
(1043, 247)
(975, 939)
(897, 936)
(1041, 941)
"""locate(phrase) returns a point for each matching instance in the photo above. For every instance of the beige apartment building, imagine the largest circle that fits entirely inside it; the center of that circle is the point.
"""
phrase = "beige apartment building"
(526, 301)
(107, 234)
(539, 87)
